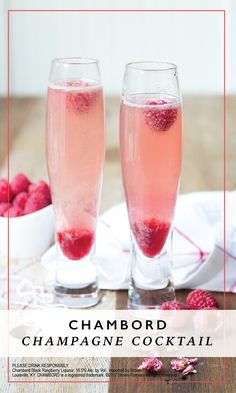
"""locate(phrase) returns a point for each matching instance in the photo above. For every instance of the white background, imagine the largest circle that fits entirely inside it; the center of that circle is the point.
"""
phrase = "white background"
(194, 41)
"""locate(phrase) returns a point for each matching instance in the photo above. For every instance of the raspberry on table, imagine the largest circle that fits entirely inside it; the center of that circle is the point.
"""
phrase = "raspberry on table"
(200, 299)
(13, 211)
(36, 201)
(5, 191)
(20, 199)
(174, 305)
(19, 183)
(4, 206)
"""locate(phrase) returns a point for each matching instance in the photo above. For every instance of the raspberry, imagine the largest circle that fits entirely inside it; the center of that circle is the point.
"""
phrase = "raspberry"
(14, 211)
(20, 200)
(43, 188)
(160, 119)
(200, 299)
(35, 202)
(151, 235)
(19, 183)
(5, 191)
(75, 244)
(4, 206)
(173, 305)
(80, 101)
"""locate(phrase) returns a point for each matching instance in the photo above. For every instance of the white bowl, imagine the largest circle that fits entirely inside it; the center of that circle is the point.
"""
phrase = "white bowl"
(29, 236)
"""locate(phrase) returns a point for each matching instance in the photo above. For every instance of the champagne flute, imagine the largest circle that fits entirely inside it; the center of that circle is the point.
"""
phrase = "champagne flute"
(151, 154)
(75, 155)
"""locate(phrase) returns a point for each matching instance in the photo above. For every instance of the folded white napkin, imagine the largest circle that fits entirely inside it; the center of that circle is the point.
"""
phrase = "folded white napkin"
(198, 244)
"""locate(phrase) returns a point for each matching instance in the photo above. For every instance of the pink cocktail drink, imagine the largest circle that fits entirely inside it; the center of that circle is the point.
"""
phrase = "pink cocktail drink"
(151, 150)
(75, 153)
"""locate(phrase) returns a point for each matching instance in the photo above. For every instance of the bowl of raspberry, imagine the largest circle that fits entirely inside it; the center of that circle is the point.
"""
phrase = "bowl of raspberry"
(27, 207)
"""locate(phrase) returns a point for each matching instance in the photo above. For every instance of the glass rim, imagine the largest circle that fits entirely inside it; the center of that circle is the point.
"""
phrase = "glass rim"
(75, 60)
(151, 66)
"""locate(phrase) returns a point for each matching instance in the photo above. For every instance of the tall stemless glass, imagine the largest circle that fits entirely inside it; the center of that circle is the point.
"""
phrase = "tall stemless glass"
(75, 154)
(151, 151)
